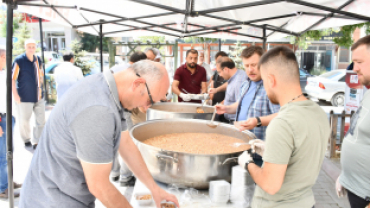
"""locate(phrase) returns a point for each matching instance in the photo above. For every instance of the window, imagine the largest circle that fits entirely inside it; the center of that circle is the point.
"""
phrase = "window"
(344, 55)
(343, 79)
(322, 48)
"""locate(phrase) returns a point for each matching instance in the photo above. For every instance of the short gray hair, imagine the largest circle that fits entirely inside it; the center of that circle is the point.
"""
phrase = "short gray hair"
(153, 50)
(2, 51)
(148, 70)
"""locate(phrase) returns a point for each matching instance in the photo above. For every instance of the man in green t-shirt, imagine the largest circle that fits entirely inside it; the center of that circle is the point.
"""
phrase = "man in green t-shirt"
(355, 175)
(295, 139)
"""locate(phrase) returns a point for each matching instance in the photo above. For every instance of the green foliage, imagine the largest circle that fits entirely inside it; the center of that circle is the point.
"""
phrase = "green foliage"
(152, 40)
(22, 33)
(91, 42)
(195, 39)
(303, 41)
(80, 61)
(235, 55)
(346, 39)
(17, 20)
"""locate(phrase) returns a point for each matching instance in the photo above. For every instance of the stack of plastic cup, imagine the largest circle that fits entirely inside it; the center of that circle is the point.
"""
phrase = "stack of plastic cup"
(242, 187)
(219, 191)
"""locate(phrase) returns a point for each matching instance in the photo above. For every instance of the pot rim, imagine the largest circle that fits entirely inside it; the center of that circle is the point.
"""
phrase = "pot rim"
(185, 120)
(179, 104)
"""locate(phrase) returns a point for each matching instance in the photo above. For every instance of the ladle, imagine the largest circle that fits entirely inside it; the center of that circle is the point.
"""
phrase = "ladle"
(212, 124)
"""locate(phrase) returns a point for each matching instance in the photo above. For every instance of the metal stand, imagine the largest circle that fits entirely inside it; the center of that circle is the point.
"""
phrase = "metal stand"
(9, 132)
(43, 59)
(101, 47)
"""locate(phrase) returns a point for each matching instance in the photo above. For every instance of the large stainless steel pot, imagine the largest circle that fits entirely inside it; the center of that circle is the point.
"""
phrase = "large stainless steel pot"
(185, 169)
(178, 110)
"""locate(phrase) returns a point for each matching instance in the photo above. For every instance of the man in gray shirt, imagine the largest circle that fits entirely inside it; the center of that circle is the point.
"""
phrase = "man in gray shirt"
(355, 176)
(82, 136)
(227, 70)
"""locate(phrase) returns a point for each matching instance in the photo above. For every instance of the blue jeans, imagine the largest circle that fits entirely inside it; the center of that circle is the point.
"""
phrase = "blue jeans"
(3, 161)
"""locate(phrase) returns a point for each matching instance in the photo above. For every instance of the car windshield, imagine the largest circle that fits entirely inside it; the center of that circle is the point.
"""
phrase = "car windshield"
(302, 73)
(331, 74)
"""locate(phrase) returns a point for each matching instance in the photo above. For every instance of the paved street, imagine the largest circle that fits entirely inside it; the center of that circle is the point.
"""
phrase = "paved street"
(324, 188)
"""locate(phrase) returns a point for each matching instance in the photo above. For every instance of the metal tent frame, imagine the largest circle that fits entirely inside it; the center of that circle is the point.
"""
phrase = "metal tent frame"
(188, 11)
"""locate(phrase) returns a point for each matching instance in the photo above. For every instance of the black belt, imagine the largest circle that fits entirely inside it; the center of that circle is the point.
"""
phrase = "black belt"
(2, 114)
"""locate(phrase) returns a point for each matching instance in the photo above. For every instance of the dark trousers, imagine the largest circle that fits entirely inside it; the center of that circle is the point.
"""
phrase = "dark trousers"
(356, 201)
(222, 118)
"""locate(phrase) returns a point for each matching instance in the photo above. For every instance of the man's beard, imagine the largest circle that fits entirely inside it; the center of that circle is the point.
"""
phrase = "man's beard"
(365, 82)
(273, 98)
(192, 65)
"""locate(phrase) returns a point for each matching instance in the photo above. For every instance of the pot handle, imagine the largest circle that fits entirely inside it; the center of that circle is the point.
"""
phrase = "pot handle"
(234, 159)
(159, 156)
(230, 160)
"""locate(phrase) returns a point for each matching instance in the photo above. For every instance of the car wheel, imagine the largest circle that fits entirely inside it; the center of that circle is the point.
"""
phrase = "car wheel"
(338, 100)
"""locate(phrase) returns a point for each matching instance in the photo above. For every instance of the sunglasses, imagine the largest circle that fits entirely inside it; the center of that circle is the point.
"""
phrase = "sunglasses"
(147, 88)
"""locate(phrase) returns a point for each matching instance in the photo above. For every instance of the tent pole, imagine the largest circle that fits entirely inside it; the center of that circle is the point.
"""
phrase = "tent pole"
(43, 58)
(264, 38)
(101, 47)
(219, 44)
(9, 118)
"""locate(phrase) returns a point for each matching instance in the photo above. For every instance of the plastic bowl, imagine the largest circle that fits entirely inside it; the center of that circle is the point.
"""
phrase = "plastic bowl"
(143, 202)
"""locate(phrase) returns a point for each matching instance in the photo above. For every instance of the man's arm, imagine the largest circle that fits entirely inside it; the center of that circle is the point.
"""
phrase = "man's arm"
(221, 88)
(132, 157)
(270, 178)
(175, 87)
(251, 123)
(97, 179)
(230, 109)
(15, 93)
(204, 87)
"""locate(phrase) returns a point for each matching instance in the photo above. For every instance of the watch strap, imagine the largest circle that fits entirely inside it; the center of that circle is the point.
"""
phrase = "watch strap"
(259, 123)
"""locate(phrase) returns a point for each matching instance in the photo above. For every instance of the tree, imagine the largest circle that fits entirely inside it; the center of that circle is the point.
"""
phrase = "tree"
(205, 41)
(303, 41)
(152, 40)
(346, 40)
(85, 64)
(17, 20)
(235, 55)
(91, 42)
(22, 33)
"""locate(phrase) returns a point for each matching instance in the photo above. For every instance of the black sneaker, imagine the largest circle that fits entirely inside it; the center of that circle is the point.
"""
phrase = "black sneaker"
(27, 144)
(115, 178)
(130, 182)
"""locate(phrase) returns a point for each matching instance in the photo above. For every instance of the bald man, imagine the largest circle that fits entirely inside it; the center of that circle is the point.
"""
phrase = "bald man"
(83, 134)
(296, 138)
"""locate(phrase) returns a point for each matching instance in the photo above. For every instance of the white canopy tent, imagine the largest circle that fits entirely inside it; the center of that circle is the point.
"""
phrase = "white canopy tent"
(232, 19)
(228, 19)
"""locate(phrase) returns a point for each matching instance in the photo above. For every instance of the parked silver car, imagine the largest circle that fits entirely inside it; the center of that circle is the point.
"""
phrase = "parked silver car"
(329, 87)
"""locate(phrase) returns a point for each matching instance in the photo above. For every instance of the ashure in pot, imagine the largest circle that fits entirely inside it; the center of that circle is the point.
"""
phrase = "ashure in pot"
(186, 169)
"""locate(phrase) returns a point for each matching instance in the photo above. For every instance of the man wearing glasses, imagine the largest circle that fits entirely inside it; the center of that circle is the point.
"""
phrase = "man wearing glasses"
(83, 134)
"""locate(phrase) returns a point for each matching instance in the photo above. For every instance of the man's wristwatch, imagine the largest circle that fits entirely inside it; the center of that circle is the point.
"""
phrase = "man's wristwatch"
(259, 123)
(246, 166)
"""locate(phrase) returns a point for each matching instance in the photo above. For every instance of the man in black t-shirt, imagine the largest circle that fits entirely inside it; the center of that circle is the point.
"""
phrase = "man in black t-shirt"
(218, 88)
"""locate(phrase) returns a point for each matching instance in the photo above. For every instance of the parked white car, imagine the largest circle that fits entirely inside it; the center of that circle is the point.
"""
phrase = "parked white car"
(51, 56)
(329, 87)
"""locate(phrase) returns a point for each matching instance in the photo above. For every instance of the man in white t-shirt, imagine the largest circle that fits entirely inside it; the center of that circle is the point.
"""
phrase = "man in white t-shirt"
(66, 74)
(205, 65)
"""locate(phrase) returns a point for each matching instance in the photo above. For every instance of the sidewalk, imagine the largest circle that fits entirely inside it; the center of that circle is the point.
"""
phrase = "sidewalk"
(324, 189)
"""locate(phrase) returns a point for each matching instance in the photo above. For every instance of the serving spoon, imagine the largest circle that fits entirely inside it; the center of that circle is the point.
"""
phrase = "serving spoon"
(212, 124)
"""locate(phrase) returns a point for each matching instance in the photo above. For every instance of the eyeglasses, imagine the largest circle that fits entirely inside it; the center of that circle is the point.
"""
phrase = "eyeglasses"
(147, 88)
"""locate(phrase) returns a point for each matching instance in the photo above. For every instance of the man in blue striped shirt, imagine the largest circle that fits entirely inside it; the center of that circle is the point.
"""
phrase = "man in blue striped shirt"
(253, 110)
(227, 70)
